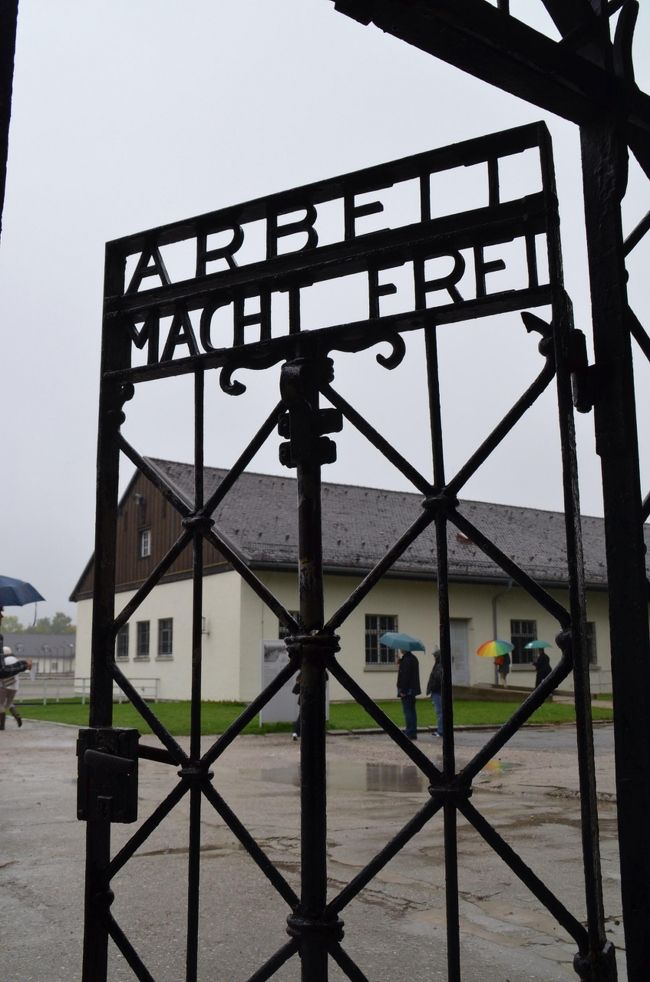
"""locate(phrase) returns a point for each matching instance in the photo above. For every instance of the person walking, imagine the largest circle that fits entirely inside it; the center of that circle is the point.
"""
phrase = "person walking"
(503, 668)
(434, 689)
(408, 688)
(9, 685)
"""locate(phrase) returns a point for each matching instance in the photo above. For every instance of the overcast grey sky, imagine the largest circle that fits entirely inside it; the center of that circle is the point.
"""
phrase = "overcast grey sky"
(129, 114)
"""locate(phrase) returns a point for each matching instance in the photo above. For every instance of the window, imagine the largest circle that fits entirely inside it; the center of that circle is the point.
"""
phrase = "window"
(54, 667)
(165, 637)
(122, 642)
(521, 632)
(145, 543)
(142, 649)
(283, 632)
(376, 625)
(590, 638)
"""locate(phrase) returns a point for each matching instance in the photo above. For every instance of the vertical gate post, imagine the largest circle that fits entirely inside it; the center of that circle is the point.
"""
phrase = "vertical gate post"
(8, 23)
(115, 355)
(307, 450)
(604, 164)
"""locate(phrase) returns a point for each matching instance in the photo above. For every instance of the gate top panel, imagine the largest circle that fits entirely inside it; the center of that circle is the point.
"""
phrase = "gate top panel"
(208, 291)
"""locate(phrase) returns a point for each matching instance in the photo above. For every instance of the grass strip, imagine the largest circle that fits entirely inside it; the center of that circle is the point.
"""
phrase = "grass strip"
(217, 716)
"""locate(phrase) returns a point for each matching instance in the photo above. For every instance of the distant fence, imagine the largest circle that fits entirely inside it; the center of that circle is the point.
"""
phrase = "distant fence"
(49, 688)
(45, 688)
(147, 688)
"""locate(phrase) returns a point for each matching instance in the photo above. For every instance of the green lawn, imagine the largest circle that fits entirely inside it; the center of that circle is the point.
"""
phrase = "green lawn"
(216, 716)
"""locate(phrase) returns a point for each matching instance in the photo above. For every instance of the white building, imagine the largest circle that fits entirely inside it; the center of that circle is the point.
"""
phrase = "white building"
(258, 517)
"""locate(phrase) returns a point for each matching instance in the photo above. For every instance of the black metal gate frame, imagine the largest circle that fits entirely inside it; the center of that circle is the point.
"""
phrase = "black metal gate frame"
(587, 77)
(108, 756)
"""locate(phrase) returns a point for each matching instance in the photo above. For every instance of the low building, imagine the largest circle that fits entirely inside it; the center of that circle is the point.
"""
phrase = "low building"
(258, 517)
(52, 655)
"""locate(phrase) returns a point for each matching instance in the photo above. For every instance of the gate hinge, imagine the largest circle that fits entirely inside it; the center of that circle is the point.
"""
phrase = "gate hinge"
(585, 378)
(107, 774)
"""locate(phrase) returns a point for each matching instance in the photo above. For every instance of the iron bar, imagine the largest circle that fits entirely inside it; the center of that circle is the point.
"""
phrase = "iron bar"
(193, 884)
(646, 509)
(638, 332)
(521, 715)
(247, 714)
(419, 759)
(156, 753)
(8, 22)
(502, 429)
(194, 850)
(442, 565)
(257, 854)
(345, 963)
(300, 393)
(604, 157)
(562, 331)
(377, 440)
(144, 831)
(218, 539)
(197, 568)
(384, 856)
(174, 497)
(515, 572)
(240, 566)
(637, 233)
(512, 859)
(503, 51)
(270, 967)
(150, 717)
(244, 459)
(379, 570)
(152, 580)
(131, 956)
(98, 828)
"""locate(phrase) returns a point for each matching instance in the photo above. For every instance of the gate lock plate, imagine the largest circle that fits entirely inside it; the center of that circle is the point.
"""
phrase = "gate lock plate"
(107, 774)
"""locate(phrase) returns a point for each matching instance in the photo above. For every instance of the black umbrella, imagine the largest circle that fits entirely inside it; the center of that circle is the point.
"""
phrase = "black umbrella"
(17, 593)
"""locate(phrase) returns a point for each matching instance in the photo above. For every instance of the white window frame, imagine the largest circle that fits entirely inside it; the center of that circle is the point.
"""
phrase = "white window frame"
(165, 626)
(142, 628)
(145, 543)
(385, 657)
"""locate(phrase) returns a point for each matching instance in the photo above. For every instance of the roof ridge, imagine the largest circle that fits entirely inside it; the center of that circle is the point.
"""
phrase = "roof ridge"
(369, 487)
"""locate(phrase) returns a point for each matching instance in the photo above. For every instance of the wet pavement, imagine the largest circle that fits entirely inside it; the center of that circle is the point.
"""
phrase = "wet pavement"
(395, 930)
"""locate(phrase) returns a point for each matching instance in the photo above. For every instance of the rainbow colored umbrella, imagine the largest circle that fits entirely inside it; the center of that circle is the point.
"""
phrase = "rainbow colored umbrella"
(493, 649)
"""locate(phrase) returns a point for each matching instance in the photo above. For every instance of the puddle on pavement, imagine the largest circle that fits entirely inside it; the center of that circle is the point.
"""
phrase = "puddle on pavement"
(353, 775)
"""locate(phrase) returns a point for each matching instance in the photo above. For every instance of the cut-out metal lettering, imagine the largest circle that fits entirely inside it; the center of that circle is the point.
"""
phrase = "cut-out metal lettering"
(234, 300)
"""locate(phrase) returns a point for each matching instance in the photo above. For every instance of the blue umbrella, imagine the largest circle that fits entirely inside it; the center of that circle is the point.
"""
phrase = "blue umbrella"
(17, 593)
(404, 642)
(537, 644)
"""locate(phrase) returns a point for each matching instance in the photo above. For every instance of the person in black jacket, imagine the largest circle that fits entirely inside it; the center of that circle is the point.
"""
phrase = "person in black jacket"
(408, 687)
(542, 667)
(434, 689)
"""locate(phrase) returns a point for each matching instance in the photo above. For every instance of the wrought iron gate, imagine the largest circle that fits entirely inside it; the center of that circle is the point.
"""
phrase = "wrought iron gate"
(587, 77)
(136, 315)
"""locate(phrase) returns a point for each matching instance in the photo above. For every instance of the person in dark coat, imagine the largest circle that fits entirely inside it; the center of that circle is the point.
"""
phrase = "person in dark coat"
(408, 687)
(542, 667)
(503, 668)
(434, 689)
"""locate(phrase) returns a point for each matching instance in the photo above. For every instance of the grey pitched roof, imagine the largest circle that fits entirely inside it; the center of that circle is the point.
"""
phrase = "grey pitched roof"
(35, 645)
(360, 524)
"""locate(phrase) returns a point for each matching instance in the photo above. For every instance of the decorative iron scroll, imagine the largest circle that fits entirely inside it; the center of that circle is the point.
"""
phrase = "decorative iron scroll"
(254, 263)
